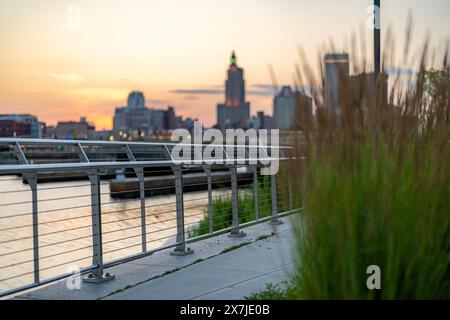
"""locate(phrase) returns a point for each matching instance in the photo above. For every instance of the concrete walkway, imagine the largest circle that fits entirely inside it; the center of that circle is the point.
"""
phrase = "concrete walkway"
(208, 273)
(231, 275)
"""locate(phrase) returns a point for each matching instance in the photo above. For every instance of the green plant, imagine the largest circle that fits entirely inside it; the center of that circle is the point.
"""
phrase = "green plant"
(222, 212)
(377, 192)
(237, 246)
(263, 237)
(272, 292)
(198, 261)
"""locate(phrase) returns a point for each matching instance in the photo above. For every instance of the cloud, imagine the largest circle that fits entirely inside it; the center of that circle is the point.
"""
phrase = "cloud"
(97, 93)
(66, 77)
(263, 90)
(157, 101)
(263, 86)
(191, 97)
(260, 93)
(197, 91)
(194, 92)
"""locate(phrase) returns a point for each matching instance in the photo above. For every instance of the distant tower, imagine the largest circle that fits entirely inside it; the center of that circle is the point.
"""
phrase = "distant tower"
(235, 84)
(235, 112)
(336, 74)
(377, 37)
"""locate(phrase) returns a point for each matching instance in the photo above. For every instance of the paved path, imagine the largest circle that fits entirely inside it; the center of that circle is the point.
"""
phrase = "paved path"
(231, 275)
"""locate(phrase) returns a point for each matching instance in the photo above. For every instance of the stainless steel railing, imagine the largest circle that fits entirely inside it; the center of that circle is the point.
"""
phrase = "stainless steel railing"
(47, 229)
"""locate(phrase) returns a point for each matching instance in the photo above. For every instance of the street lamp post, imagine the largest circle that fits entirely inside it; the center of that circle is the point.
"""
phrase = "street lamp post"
(377, 36)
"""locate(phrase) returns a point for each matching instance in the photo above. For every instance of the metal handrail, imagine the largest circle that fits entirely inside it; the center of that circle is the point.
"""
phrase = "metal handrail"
(30, 141)
(85, 164)
(28, 168)
(95, 169)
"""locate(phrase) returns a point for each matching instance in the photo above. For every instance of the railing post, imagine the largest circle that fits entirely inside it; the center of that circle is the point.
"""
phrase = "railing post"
(32, 182)
(255, 191)
(273, 190)
(96, 275)
(289, 191)
(236, 232)
(210, 199)
(180, 249)
(140, 175)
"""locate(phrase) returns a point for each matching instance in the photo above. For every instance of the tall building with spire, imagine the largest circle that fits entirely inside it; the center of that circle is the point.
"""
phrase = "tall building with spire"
(235, 112)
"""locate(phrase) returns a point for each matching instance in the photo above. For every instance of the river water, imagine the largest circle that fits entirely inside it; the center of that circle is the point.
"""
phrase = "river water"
(65, 226)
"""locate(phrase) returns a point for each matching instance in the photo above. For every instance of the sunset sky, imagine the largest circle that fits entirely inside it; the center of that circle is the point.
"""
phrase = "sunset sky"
(176, 52)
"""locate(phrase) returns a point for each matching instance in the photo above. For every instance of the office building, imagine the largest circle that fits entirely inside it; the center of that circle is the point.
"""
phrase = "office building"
(283, 108)
(263, 121)
(235, 111)
(291, 110)
(336, 76)
(21, 126)
(342, 88)
(74, 130)
(133, 119)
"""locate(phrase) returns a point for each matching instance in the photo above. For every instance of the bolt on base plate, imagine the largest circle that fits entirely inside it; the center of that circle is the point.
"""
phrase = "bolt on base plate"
(237, 234)
(90, 278)
(178, 252)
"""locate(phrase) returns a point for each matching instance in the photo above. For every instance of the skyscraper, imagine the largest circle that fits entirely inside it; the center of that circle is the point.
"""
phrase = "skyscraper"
(235, 112)
(283, 108)
(353, 90)
(336, 74)
(291, 110)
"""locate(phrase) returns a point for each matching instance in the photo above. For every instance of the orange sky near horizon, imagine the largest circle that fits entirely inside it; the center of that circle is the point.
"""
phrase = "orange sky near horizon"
(176, 52)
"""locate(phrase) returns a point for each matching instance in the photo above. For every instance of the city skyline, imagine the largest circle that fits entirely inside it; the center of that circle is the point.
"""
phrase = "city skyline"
(59, 72)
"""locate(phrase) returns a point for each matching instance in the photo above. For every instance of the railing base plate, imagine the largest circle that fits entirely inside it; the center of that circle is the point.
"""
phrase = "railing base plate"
(90, 278)
(182, 252)
(237, 234)
(275, 223)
